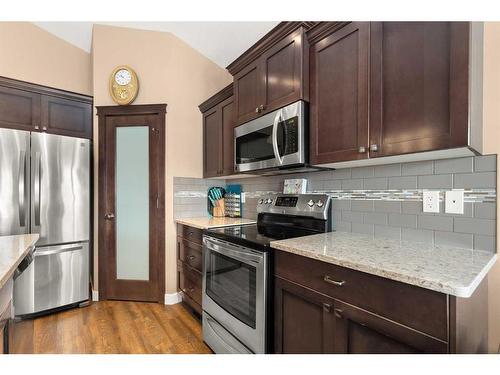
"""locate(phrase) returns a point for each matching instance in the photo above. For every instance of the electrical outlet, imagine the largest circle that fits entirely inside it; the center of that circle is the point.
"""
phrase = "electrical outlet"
(431, 201)
(454, 202)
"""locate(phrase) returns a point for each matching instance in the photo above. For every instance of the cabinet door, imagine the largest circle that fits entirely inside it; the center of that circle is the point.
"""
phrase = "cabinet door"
(361, 332)
(419, 86)
(304, 320)
(339, 95)
(283, 71)
(66, 117)
(19, 109)
(226, 109)
(212, 142)
(248, 86)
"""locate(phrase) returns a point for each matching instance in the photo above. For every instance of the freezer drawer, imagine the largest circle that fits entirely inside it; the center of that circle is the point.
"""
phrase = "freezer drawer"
(57, 276)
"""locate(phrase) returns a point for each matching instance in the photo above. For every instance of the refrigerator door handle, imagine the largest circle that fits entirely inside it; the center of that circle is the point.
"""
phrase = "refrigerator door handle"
(22, 188)
(37, 187)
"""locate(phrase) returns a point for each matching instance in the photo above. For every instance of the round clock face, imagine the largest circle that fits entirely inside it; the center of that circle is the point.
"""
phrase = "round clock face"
(123, 77)
(123, 85)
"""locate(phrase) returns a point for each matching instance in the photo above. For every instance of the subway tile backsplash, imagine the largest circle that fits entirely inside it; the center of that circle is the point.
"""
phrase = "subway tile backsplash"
(384, 201)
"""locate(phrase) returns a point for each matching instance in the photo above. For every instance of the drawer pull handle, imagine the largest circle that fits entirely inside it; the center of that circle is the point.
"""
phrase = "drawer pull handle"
(329, 280)
(338, 313)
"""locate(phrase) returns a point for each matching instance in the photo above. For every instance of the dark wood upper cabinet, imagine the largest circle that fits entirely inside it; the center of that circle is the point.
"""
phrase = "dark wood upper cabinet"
(212, 139)
(419, 86)
(339, 93)
(19, 109)
(66, 117)
(283, 67)
(272, 73)
(218, 134)
(227, 114)
(31, 107)
(248, 93)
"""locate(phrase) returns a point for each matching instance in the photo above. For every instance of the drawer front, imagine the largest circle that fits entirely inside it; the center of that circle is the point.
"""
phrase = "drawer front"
(190, 253)
(189, 282)
(190, 233)
(418, 308)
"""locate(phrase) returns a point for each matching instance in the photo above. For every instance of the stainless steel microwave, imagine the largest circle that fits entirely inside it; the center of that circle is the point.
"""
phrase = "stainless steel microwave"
(276, 141)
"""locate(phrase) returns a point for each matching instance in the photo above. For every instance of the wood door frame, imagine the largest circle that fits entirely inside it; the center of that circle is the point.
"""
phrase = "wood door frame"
(103, 112)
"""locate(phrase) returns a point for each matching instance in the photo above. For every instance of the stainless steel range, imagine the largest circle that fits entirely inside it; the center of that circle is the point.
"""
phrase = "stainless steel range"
(237, 270)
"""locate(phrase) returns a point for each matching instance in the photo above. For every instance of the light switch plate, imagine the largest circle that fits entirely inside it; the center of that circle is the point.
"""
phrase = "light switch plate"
(454, 202)
(431, 201)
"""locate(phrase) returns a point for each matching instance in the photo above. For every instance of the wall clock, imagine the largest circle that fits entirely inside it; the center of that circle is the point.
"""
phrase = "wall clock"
(123, 85)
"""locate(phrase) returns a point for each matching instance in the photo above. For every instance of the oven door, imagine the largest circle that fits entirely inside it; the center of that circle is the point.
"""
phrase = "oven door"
(271, 141)
(234, 292)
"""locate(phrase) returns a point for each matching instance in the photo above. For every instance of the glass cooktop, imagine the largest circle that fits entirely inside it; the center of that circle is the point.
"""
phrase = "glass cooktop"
(258, 234)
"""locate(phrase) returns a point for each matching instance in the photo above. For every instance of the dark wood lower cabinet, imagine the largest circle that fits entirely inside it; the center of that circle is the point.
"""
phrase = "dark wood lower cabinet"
(304, 320)
(189, 265)
(310, 317)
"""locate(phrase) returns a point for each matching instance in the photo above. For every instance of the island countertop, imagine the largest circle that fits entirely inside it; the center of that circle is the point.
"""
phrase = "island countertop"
(13, 249)
(208, 222)
(444, 269)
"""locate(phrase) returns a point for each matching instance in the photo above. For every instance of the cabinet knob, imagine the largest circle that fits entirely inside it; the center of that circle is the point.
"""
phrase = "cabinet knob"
(191, 257)
(374, 147)
(109, 216)
(44, 128)
(338, 313)
(257, 110)
(37, 127)
(262, 107)
(327, 307)
(362, 149)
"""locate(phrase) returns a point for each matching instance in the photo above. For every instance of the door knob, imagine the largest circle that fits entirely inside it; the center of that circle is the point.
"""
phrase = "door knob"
(109, 216)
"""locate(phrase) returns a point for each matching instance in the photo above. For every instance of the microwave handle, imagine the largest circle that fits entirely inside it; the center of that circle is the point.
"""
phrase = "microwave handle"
(277, 119)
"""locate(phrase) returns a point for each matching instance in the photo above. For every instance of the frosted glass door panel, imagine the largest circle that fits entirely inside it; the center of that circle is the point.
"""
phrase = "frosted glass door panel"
(132, 203)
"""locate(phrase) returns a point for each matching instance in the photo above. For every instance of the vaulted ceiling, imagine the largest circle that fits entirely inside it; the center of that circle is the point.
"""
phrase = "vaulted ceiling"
(222, 42)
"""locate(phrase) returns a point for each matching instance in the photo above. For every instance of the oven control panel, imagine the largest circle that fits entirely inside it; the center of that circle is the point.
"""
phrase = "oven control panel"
(314, 205)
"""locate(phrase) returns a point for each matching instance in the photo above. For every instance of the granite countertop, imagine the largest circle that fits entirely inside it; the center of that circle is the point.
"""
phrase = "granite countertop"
(13, 249)
(444, 269)
(208, 222)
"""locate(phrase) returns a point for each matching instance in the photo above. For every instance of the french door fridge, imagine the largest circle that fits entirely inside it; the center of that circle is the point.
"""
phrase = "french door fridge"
(45, 189)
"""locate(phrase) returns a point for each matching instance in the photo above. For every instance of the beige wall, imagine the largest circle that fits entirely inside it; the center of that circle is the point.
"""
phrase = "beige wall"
(169, 72)
(491, 113)
(31, 54)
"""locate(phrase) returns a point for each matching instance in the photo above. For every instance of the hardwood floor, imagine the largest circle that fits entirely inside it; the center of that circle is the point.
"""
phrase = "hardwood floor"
(112, 327)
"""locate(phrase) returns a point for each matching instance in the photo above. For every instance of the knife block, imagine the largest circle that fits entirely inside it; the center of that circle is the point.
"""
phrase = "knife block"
(219, 209)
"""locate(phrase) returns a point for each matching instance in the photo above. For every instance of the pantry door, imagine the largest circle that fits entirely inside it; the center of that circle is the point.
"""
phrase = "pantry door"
(131, 203)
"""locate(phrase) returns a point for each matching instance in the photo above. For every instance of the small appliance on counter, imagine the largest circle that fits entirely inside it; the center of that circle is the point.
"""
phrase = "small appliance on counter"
(233, 200)
(295, 186)
(215, 201)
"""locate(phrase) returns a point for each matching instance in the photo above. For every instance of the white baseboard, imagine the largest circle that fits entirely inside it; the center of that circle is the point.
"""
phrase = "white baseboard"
(95, 295)
(172, 299)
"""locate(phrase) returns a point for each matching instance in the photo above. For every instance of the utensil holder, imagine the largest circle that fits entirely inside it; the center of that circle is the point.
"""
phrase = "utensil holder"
(219, 209)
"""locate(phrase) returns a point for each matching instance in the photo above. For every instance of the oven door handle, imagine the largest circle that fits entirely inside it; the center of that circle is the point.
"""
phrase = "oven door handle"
(233, 252)
(277, 119)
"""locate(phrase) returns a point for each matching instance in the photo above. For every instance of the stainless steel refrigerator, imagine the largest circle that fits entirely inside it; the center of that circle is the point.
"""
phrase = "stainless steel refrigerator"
(45, 189)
